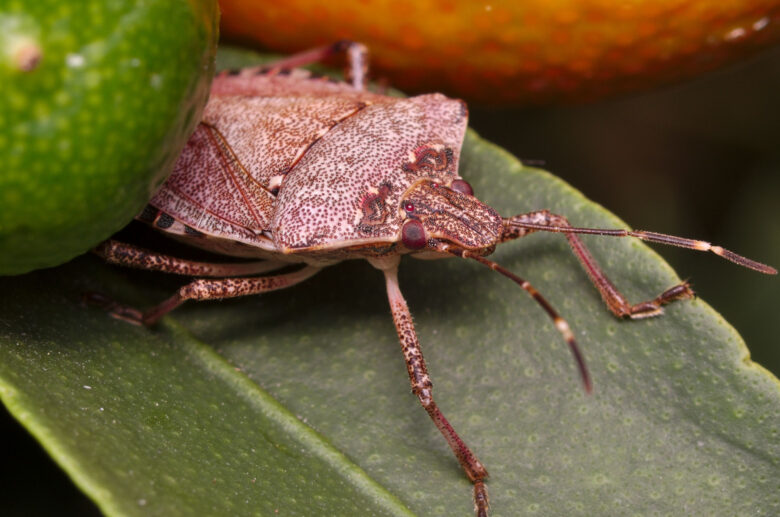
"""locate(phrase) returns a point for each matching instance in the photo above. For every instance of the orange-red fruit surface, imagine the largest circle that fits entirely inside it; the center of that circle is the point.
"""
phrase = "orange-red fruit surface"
(511, 51)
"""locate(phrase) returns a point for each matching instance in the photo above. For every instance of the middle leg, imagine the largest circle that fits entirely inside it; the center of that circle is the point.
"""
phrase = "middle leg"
(423, 389)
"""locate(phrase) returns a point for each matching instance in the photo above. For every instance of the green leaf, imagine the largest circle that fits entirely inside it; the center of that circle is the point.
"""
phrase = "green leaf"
(298, 401)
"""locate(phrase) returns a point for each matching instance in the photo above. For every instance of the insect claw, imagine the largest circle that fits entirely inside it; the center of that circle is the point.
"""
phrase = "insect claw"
(481, 501)
(129, 315)
(114, 309)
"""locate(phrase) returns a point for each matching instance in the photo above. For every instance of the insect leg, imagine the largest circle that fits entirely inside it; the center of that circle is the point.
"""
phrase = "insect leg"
(204, 289)
(423, 389)
(128, 255)
(561, 324)
(356, 54)
(542, 220)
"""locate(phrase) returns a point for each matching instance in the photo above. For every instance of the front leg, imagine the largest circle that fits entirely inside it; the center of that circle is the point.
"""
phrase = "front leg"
(423, 389)
(543, 220)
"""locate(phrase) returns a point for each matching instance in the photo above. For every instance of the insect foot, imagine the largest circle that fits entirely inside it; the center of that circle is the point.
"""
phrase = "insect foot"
(423, 388)
(115, 309)
(290, 170)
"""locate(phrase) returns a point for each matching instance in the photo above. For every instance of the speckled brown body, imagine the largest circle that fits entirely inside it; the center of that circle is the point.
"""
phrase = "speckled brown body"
(287, 164)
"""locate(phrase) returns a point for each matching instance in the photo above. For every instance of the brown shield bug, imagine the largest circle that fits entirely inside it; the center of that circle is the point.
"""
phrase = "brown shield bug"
(292, 169)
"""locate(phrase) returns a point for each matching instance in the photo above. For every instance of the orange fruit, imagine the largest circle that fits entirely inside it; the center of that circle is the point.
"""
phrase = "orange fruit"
(510, 51)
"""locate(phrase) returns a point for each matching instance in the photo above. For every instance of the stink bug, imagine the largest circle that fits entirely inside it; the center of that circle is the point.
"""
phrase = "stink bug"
(294, 170)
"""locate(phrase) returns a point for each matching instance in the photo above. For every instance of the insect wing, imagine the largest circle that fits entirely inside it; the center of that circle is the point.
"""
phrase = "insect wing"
(224, 183)
(211, 192)
(270, 134)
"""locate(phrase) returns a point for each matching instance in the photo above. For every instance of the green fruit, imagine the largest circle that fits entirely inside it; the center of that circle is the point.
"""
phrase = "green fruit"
(98, 99)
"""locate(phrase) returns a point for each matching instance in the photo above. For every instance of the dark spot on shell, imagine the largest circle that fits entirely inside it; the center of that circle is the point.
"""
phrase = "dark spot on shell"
(449, 155)
(164, 221)
(284, 71)
(149, 214)
(189, 230)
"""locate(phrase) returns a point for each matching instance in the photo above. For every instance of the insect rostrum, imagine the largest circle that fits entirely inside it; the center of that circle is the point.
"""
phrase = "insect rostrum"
(289, 169)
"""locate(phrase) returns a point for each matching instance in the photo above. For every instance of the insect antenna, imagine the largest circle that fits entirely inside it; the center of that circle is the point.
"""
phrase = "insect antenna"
(560, 323)
(660, 238)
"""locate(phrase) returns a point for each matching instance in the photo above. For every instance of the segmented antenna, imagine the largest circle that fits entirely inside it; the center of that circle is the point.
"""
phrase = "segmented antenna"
(660, 238)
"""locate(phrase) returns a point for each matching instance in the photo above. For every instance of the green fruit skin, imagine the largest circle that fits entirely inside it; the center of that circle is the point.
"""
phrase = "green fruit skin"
(97, 100)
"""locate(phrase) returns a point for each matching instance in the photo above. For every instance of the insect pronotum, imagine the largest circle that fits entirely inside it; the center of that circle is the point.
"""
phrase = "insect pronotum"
(291, 168)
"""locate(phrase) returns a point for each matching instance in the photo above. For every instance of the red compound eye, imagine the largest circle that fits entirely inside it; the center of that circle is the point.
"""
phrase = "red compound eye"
(413, 235)
(409, 207)
(463, 187)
